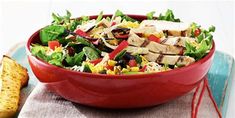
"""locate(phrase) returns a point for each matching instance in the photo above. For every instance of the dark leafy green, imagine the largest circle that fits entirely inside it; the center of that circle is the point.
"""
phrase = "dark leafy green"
(90, 53)
(120, 55)
(87, 43)
(50, 33)
(138, 59)
(75, 60)
(169, 16)
(86, 68)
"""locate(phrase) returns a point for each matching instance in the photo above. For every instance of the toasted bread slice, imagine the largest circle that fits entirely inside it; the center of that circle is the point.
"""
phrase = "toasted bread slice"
(12, 77)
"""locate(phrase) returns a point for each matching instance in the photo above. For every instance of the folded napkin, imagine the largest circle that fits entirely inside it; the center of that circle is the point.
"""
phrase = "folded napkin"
(44, 104)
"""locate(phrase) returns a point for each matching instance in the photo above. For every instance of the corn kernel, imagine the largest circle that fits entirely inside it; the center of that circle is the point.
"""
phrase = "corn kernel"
(58, 49)
(135, 69)
(124, 70)
(110, 72)
(111, 62)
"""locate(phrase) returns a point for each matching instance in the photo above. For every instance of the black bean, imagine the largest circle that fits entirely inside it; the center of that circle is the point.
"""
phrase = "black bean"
(121, 63)
(128, 56)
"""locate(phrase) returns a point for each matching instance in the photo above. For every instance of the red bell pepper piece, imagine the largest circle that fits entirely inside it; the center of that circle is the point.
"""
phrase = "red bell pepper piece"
(143, 69)
(125, 36)
(154, 38)
(120, 47)
(132, 63)
(81, 33)
(108, 67)
(96, 61)
(53, 44)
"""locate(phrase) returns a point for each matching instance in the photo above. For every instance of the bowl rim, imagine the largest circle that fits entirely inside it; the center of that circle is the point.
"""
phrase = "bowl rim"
(106, 76)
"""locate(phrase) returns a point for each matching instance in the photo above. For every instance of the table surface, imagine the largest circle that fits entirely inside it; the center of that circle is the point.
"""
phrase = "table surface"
(19, 19)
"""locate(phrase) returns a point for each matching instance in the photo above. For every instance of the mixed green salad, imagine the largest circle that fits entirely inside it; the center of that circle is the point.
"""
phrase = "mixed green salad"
(120, 44)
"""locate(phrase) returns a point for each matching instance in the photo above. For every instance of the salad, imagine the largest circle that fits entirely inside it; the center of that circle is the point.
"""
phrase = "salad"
(120, 44)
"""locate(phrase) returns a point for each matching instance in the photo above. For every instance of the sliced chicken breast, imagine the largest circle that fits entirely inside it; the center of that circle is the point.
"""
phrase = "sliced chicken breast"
(177, 41)
(168, 27)
(137, 50)
(169, 59)
(164, 49)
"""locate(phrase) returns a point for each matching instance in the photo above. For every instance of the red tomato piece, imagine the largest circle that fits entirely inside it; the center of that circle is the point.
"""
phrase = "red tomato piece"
(125, 36)
(81, 33)
(132, 63)
(108, 67)
(53, 44)
(197, 32)
(154, 38)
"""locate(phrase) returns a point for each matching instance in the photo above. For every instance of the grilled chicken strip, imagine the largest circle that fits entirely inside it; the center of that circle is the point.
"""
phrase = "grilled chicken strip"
(164, 49)
(168, 27)
(135, 40)
(137, 50)
(169, 59)
(177, 41)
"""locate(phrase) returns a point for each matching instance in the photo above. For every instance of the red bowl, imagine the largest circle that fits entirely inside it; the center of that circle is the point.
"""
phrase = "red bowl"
(119, 91)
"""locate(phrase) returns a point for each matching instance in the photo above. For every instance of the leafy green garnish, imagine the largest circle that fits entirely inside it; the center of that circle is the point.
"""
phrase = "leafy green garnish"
(90, 53)
(99, 18)
(204, 40)
(87, 43)
(59, 20)
(120, 55)
(39, 51)
(199, 52)
(150, 15)
(56, 59)
(123, 16)
(75, 60)
(86, 68)
(193, 27)
(51, 32)
(169, 16)
(65, 21)
(138, 59)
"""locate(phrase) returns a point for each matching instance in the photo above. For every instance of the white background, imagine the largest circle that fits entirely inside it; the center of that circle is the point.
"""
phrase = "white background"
(19, 19)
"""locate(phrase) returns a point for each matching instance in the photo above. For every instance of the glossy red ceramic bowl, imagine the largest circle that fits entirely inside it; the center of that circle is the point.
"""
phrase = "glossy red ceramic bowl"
(119, 91)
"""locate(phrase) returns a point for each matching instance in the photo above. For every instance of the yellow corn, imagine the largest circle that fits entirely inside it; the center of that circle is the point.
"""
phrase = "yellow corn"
(111, 62)
(124, 70)
(135, 69)
(129, 24)
(110, 72)
(58, 49)
(128, 67)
